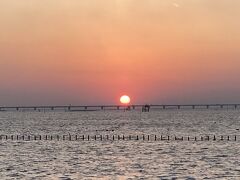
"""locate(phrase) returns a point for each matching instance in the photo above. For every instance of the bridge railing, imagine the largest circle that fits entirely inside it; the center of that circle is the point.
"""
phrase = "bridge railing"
(145, 108)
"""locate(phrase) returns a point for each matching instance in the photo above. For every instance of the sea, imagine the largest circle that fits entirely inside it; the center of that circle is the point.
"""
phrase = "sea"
(146, 155)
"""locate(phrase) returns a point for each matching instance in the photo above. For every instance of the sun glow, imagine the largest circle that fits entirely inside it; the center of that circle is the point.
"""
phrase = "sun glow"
(125, 99)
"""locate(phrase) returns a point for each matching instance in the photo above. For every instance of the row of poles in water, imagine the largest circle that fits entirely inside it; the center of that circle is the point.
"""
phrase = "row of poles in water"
(117, 138)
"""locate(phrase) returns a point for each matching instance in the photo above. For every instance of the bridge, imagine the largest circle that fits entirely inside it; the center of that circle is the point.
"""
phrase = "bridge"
(142, 107)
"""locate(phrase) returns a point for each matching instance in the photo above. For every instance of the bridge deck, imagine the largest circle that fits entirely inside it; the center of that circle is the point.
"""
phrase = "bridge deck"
(116, 107)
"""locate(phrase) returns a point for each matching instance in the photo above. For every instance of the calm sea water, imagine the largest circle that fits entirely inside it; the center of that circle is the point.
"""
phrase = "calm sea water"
(121, 159)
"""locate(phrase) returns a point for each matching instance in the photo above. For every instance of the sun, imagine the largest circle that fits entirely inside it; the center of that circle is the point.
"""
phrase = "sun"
(125, 99)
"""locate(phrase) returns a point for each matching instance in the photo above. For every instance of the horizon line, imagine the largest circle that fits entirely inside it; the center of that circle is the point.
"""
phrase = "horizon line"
(121, 105)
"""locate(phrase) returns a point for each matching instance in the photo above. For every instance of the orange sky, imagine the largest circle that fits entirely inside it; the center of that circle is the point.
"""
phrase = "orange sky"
(92, 51)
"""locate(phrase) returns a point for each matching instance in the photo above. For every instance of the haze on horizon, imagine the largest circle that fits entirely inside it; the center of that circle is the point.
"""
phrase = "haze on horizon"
(92, 52)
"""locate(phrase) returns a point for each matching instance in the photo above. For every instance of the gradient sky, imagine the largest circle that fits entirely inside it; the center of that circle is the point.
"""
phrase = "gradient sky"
(93, 51)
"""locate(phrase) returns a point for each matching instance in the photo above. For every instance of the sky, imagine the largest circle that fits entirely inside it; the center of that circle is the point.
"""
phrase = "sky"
(90, 52)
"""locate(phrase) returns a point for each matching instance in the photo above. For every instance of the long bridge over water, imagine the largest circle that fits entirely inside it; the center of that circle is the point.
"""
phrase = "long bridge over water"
(119, 107)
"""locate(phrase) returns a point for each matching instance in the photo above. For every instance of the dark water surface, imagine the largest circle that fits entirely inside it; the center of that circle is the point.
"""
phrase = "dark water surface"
(121, 159)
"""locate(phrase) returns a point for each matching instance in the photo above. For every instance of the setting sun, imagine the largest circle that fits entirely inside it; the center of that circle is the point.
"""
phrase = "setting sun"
(125, 99)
